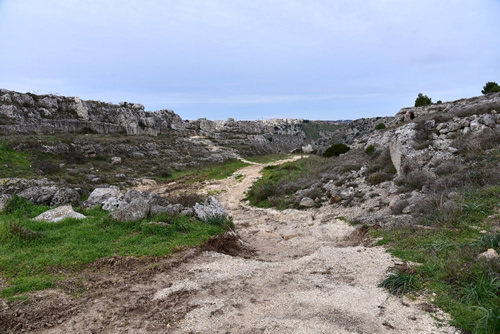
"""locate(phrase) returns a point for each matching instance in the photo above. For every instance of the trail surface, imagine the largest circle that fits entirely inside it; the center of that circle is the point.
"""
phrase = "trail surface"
(290, 272)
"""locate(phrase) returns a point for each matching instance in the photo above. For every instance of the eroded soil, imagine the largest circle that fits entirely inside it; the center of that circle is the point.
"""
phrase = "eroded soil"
(283, 272)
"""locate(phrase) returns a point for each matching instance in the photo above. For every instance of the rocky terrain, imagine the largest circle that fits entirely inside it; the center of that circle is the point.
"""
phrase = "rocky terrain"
(290, 271)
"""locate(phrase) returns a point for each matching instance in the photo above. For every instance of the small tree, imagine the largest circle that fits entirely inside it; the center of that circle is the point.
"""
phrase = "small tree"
(422, 100)
(380, 126)
(490, 87)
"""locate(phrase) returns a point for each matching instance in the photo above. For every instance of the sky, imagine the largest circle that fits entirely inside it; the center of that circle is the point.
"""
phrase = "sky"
(259, 59)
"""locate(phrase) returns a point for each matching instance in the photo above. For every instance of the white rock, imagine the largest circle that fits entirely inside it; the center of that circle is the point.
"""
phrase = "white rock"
(490, 254)
(307, 202)
(59, 214)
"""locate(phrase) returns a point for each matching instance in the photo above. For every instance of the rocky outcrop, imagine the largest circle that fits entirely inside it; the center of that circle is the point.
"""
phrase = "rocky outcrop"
(39, 192)
(463, 107)
(49, 114)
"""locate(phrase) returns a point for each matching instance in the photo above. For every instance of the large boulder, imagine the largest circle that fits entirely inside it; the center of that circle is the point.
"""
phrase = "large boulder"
(136, 210)
(100, 195)
(65, 196)
(210, 208)
(152, 199)
(39, 195)
(59, 214)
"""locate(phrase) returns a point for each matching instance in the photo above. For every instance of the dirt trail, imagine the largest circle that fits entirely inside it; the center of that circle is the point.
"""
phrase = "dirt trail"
(296, 272)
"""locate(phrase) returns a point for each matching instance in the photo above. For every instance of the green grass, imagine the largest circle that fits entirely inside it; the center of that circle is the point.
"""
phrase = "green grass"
(14, 164)
(212, 172)
(279, 183)
(468, 288)
(264, 159)
(400, 283)
(40, 262)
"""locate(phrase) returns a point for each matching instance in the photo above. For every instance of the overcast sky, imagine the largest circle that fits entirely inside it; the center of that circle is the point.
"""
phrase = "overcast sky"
(252, 59)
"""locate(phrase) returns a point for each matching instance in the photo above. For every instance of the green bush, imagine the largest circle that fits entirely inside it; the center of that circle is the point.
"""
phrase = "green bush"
(336, 150)
(380, 126)
(370, 149)
(422, 100)
(490, 87)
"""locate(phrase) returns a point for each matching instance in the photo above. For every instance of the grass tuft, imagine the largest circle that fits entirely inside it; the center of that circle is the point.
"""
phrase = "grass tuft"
(400, 283)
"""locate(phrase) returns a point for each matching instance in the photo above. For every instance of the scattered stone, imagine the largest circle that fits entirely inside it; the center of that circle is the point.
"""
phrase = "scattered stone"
(335, 199)
(307, 202)
(59, 214)
(116, 160)
(210, 208)
(490, 254)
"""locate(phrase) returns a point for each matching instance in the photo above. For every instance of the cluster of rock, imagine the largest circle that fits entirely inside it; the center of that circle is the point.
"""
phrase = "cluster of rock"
(426, 146)
(126, 206)
(39, 192)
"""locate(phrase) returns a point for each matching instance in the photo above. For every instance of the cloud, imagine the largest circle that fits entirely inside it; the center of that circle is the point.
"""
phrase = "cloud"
(268, 54)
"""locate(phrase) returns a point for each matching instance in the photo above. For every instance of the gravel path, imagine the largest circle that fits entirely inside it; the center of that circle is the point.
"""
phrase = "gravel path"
(285, 272)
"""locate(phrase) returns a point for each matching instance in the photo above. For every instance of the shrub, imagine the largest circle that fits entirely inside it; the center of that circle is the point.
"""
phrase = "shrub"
(380, 126)
(222, 221)
(370, 149)
(336, 150)
(378, 177)
(490, 87)
(422, 100)
(47, 167)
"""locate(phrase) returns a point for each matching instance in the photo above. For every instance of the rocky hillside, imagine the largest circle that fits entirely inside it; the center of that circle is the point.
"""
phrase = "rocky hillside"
(22, 114)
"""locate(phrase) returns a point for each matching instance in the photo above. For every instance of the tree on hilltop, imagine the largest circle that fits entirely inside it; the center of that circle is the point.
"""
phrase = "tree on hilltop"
(422, 100)
(490, 87)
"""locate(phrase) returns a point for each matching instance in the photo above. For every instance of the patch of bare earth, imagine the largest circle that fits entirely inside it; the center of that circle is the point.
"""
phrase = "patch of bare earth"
(283, 272)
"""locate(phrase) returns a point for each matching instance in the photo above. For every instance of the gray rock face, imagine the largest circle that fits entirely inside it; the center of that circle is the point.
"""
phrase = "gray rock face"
(65, 196)
(59, 214)
(39, 195)
(136, 210)
(210, 208)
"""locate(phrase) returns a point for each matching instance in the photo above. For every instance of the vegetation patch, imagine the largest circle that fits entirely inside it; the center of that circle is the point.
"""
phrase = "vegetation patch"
(336, 150)
(13, 163)
(39, 255)
(212, 172)
(279, 183)
(467, 286)
(267, 158)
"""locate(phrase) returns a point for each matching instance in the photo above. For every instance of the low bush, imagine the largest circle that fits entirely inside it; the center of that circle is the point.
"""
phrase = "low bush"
(370, 149)
(336, 150)
(380, 126)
